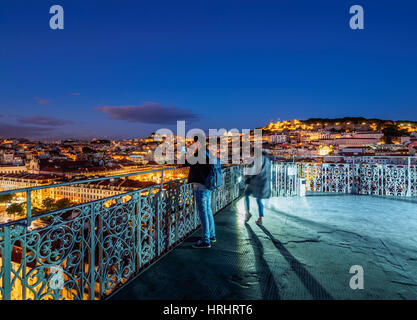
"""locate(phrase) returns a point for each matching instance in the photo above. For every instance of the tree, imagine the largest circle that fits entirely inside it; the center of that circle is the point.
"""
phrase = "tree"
(48, 204)
(87, 150)
(63, 203)
(16, 208)
(392, 132)
(6, 198)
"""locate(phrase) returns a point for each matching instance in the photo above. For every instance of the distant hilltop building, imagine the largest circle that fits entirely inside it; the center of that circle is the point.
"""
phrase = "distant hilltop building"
(290, 125)
(340, 124)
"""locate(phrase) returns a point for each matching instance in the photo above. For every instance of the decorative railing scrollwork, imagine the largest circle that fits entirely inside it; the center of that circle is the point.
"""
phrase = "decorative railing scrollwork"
(366, 179)
(91, 250)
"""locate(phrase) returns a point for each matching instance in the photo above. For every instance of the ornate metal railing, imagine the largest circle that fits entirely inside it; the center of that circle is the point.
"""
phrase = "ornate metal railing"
(284, 179)
(91, 250)
(359, 178)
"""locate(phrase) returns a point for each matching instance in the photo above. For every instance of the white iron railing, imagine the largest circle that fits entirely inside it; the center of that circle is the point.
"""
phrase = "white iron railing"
(357, 178)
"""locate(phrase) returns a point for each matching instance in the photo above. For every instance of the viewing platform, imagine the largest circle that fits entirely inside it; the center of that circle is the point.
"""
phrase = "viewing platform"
(304, 250)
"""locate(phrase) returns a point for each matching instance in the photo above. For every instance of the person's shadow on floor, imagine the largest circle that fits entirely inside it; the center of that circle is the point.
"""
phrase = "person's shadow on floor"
(310, 283)
(269, 288)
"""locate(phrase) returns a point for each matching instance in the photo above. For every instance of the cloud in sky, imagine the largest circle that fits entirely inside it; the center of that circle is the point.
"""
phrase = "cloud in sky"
(44, 121)
(75, 94)
(149, 112)
(42, 101)
(16, 131)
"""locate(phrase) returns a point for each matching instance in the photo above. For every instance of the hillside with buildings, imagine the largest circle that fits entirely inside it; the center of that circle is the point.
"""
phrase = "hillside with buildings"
(25, 163)
(344, 137)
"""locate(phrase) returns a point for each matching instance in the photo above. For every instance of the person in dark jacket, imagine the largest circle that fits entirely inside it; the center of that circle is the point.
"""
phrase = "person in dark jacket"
(259, 186)
(197, 176)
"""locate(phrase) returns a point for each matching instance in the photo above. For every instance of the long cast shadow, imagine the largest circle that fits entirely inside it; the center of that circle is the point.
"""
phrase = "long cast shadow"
(269, 288)
(310, 283)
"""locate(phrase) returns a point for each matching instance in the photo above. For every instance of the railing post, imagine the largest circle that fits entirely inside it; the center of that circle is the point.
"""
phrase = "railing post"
(354, 186)
(7, 264)
(92, 252)
(194, 209)
(285, 175)
(297, 183)
(409, 178)
(138, 208)
(28, 207)
(158, 216)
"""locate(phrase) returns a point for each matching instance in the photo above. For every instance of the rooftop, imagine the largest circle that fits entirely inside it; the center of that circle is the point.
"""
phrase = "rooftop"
(29, 176)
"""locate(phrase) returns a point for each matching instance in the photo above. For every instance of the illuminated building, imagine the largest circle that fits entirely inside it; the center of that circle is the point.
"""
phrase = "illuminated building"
(14, 181)
(4, 169)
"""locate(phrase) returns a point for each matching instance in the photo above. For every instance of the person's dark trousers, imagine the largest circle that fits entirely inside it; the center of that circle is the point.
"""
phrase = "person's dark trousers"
(203, 200)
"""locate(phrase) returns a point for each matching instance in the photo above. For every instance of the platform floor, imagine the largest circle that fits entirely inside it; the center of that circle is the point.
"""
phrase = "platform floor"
(304, 250)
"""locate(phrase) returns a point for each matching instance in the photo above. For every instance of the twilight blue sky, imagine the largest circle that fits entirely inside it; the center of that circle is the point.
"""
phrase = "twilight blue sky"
(126, 68)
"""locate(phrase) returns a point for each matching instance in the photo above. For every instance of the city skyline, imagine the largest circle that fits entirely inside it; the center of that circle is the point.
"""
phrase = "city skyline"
(125, 70)
(403, 126)
(280, 136)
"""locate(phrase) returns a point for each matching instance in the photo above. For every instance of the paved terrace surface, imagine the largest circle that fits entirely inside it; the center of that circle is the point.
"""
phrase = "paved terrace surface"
(304, 250)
